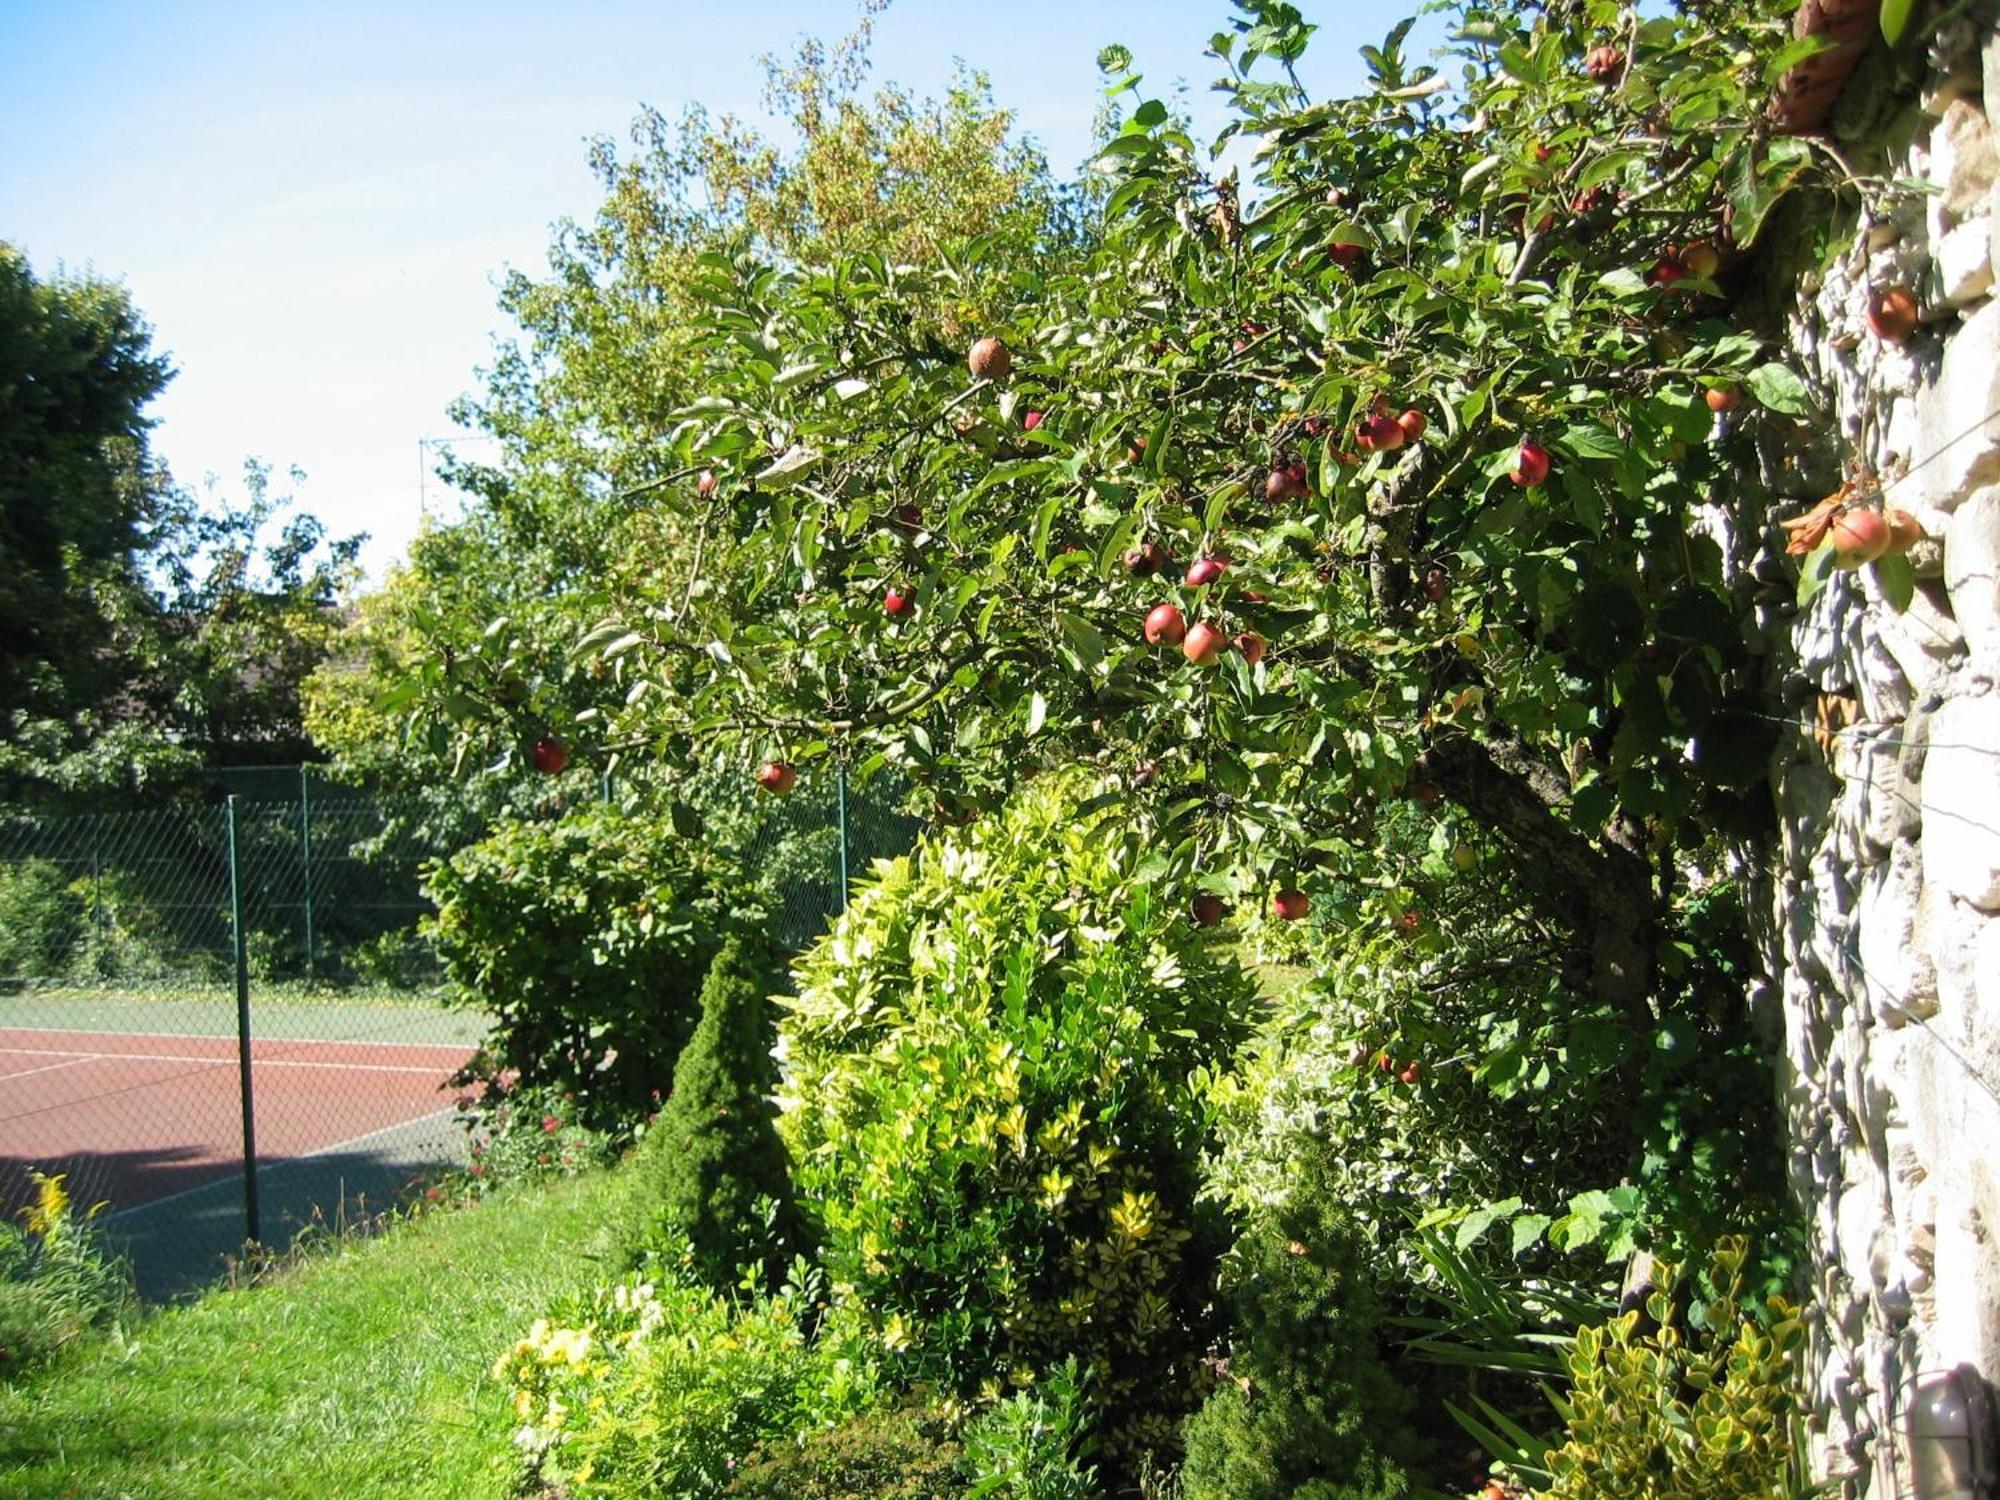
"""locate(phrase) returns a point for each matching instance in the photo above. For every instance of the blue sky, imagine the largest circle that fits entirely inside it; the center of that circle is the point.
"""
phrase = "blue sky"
(312, 203)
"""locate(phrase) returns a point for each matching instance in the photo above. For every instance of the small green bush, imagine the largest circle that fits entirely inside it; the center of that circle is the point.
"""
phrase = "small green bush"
(527, 1132)
(1308, 1408)
(658, 1387)
(711, 1167)
(56, 1280)
(1033, 1445)
(893, 1453)
(586, 938)
(1682, 1407)
(41, 919)
(989, 1102)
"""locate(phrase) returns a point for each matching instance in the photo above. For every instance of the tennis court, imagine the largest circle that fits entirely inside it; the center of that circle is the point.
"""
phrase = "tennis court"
(138, 1101)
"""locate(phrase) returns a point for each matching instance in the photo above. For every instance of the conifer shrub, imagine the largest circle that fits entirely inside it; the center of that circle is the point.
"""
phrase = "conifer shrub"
(990, 1099)
(711, 1167)
(891, 1453)
(1307, 1408)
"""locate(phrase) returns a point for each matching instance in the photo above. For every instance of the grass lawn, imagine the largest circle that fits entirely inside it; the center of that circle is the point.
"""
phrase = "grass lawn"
(362, 1374)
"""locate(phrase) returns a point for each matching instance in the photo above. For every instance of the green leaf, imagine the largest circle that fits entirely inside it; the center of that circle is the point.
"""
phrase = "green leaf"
(1897, 580)
(1779, 389)
(1896, 20)
(1813, 576)
(1038, 713)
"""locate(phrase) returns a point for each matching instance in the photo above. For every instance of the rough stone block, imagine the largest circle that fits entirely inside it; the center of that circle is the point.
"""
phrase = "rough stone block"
(1895, 968)
(1965, 262)
(1960, 447)
(1964, 164)
(1972, 569)
(1961, 801)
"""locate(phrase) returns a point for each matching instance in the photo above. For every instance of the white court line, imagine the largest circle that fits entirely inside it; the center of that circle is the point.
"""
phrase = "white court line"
(257, 1037)
(48, 1068)
(220, 1062)
(236, 1177)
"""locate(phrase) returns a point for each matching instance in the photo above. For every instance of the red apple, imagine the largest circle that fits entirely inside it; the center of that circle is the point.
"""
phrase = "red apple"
(1206, 909)
(1904, 530)
(1345, 255)
(989, 359)
(898, 602)
(910, 516)
(1859, 535)
(1425, 792)
(1286, 482)
(1437, 582)
(1605, 65)
(1666, 271)
(1031, 421)
(1701, 259)
(1206, 570)
(704, 483)
(550, 755)
(1250, 645)
(1378, 434)
(1165, 626)
(1289, 904)
(1414, 424)
(1531, 464)
(1411, 1074)
(1409, 921)
(776, 777)
(1893, 315)
(1722, 398)
(1146, 560)
(1204, 644)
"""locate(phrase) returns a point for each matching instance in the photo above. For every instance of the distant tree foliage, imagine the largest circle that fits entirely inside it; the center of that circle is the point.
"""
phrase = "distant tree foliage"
(145, 631)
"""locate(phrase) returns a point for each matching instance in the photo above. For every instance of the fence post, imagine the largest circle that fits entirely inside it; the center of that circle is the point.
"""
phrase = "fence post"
(242, 955)
(840, 813)
(306, 859)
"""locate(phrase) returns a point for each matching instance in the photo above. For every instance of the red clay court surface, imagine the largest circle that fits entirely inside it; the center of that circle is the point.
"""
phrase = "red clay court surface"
(145, 1116)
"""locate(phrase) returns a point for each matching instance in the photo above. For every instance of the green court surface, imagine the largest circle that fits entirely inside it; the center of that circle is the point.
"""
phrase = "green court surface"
(382, 1016)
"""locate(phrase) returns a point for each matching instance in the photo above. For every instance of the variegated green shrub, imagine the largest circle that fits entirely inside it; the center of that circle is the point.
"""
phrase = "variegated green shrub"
(1668, 1410)
(988, 1101)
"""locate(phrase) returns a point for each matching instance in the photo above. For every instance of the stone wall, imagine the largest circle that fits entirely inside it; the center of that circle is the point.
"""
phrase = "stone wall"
(1885, 942)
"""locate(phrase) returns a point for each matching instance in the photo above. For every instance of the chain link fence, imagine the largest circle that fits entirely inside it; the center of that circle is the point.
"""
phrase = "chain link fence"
(224, 1021)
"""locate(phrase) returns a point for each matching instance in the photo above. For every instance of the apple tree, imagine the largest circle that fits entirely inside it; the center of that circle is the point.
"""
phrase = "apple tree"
(1419, 436)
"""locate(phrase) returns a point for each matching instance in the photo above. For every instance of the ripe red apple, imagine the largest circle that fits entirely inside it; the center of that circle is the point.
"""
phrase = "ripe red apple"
(1531, 464)
(1409, 921)
(989, 359)
(1206, 570)
(1904, 530)
(776, 777)
(1414, 424)
(1286, 482)
(1031, 421)
(1289, 904)
(1437, 582)
(1378, 434)
(1346, 255)
(1204, 644)
(1250, 645)
(1411, 1074)
(1859, 535)
(1722, 398)
(910, 516)
(1206, 909)
(1251, 596)
(1666, 271)
(1313, 427)
(704, 483)
(1425, 792)
(1165, 626)
(550, 755)
(1146, 560)
(898, 602)
(1702, 259)
(1893, 315)
(1605, 65)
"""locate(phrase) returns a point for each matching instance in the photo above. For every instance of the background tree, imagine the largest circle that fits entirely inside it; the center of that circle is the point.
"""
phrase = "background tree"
(145, 632)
